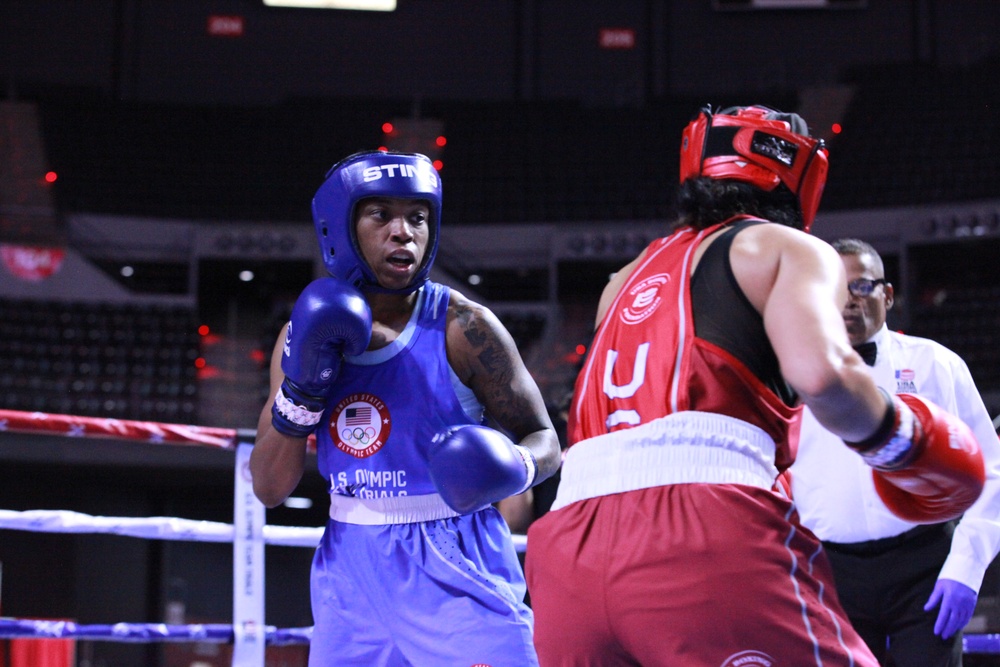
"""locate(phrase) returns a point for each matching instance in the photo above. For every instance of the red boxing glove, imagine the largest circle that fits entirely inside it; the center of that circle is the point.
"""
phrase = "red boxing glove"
(930, 468)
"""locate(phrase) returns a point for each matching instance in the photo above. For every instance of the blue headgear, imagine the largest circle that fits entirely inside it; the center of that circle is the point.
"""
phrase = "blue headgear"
(372, 174)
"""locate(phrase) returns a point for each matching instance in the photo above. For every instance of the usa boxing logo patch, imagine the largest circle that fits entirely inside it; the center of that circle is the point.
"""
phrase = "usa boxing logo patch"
(645, 298)
(360, 425)
(748, 659)
(905, 381)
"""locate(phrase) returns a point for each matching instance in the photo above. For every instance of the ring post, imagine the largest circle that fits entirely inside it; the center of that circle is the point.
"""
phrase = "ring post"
(248, 566)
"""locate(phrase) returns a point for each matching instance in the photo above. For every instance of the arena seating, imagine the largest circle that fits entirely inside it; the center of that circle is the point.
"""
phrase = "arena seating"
(559, 162)
(526, 328)
(916, 135)
(965, 320)
(906, 141)
(133, 361)
(504, 161)
(912, 134)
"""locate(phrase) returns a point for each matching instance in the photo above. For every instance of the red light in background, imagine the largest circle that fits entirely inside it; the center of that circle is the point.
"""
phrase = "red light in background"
(616, 38)
(383, 149)
(199, 362)
(439, 165)
(209, 373)
(203, 330)
(581, 349)
(51, 176)
(225, 26)
(836, 128)
(441, 141)
(387, 128)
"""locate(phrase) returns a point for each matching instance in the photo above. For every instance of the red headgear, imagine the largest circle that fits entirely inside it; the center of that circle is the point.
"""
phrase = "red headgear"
(759, 146)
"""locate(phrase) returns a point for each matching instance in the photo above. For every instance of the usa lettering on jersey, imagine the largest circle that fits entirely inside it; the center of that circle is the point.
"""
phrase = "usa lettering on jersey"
(612, 390)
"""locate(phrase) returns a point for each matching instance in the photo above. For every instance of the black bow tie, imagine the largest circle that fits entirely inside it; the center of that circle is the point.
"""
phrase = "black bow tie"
(867, 352)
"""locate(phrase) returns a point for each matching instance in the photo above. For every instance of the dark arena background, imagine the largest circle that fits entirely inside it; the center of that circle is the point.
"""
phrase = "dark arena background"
(157, 162)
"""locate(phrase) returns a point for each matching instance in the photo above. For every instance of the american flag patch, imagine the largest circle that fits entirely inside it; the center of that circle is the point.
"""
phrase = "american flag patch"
(905, 375)
(358, 416)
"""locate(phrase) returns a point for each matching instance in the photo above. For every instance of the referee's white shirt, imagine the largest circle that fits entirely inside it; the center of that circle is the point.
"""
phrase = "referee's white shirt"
(833, 488)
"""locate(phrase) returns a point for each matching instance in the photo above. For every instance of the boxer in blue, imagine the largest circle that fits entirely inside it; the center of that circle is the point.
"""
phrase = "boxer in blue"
(397, 375)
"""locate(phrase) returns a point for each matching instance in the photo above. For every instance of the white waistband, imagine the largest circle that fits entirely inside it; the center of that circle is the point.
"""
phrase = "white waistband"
(681, 448)
(391, 510)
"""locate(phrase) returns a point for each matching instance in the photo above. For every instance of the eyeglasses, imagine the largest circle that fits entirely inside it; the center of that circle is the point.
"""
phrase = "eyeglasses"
(864, 286)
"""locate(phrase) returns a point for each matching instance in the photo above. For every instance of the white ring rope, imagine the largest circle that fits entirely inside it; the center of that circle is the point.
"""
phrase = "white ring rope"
(153, 528)
(164, 528)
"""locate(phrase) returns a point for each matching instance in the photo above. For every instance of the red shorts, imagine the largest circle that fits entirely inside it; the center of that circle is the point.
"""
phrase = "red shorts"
(700, 575)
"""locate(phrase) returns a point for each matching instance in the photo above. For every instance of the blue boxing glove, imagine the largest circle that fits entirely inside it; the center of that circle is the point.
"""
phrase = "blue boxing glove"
(473, 467)
(330, 319)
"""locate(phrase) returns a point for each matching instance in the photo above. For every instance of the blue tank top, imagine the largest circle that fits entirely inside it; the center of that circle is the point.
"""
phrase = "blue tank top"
(387, 406)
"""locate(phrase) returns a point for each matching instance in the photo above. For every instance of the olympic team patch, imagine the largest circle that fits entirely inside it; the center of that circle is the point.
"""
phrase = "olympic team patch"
(360, 425)
(748, 659)
(645, 296)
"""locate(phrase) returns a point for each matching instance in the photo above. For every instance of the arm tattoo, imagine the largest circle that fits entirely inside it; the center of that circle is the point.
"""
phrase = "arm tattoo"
(498, 378)
(487, 348)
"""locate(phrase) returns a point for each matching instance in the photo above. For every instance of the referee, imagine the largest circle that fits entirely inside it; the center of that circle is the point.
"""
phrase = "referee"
(908, 589)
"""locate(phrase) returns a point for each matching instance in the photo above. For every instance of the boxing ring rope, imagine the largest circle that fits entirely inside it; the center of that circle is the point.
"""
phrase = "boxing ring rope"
(163, 528)
(152, 528)
(120, 429)
(217, 633)
(248, 533)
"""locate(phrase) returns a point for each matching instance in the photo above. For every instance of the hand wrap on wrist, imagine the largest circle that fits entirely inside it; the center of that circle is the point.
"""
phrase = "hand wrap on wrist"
(888, 448)
(530, 464)
(294, 413)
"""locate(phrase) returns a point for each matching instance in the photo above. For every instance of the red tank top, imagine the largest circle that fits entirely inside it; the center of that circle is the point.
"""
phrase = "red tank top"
(646, 362)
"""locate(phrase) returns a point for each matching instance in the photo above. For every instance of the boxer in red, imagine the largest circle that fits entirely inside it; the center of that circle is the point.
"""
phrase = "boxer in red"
(670, 541)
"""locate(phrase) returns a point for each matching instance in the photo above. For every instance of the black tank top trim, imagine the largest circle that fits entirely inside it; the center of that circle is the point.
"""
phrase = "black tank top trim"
(725, 317)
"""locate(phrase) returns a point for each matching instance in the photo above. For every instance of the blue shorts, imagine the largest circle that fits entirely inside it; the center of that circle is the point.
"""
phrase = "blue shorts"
(445, 593)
